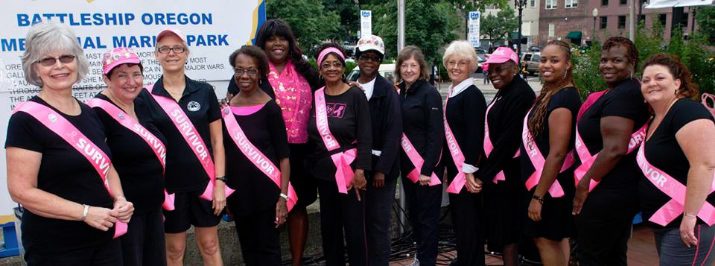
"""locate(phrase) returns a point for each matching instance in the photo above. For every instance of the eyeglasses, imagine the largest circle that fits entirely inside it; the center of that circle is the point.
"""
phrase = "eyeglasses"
(460, 63)
(327, 65)
(364, 57)
(51, 61)
(167, 49)
(252, 72)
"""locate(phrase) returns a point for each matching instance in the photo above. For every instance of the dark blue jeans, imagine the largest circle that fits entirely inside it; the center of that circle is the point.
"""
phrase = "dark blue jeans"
(672, 250)
(378, 221)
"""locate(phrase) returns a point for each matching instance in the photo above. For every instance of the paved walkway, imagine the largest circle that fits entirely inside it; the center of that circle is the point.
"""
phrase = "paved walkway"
(487, 89)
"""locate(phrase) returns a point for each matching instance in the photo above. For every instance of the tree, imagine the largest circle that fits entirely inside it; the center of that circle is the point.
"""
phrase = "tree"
(497, 28)
(428, 25)
(311, 23)
(705, 17)
(349, 13)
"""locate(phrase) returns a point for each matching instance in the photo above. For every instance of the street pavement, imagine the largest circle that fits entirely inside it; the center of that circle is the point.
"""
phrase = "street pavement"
(487, 89)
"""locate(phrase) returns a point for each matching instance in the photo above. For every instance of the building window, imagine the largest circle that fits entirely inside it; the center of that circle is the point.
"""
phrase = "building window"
(550, 4)
(623, 2)
(571, 3)
(641, 19)
(662, 19)
(604, 22)
(552, 29)
(684, 20)
(532, 3)
(604, 2)
(621, 22)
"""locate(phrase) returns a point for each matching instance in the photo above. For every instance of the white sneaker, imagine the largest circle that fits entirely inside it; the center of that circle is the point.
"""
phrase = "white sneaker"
(415, 262)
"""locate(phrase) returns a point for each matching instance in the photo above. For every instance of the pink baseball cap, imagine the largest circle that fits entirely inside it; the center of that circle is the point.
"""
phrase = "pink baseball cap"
(117, 56)
(167, 31)
(500, 55)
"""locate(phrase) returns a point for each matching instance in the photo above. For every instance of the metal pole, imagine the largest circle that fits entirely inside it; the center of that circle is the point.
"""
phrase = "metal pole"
(632, 26)
(400, 24)
(400, 45)
(518, 43)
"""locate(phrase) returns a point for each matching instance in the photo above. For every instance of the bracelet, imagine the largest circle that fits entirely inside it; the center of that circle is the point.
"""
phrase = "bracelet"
(84, 212)
(539, 199)
(222, 178)
(284, 196)
(690, 215)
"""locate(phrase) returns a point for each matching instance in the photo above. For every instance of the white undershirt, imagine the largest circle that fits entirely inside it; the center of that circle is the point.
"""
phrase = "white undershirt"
(368, 88)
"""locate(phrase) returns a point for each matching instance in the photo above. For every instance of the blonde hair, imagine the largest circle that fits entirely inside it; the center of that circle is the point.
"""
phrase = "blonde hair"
(46, 37)
(461, 49)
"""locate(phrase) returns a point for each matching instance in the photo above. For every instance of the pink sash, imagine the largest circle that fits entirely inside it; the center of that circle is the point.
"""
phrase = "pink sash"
(255, 156)
(130, 123)
(342, 160)
(537, 160)
(417, 161)
(489, 147)
(586, 158)
(457, 156)
(68, 132)
(710, 106)
(193, 139)
(675, 190)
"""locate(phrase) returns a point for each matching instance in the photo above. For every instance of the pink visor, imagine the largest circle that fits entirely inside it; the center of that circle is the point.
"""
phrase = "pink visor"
(500, 55)
(168, 31)
(118, 56)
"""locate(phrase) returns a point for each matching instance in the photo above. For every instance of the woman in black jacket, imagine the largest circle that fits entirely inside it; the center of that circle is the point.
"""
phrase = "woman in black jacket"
(422, 135)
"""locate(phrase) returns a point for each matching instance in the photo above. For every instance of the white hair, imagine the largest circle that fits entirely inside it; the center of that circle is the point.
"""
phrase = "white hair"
(47, 37)
(461, 49)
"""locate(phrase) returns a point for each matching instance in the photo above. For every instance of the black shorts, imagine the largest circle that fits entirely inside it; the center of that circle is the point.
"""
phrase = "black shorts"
(190, 210)
(104, 254)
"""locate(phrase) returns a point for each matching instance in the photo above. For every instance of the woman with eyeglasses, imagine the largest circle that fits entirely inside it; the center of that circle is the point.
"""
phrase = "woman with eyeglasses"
(464, 132)
(58, 167)
(187, 112)
(290, 81)
(257, 147)
(341, 135)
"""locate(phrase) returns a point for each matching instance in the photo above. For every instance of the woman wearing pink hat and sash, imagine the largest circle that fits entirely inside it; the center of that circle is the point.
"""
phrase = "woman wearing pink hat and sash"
(138, 153)
(504, 190)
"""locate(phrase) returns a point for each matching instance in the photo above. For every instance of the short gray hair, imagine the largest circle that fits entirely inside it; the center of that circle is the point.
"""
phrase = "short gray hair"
(461, 49)
(46, 37)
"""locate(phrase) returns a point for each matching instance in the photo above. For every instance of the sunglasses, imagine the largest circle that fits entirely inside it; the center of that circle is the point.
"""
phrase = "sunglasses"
(51, 61)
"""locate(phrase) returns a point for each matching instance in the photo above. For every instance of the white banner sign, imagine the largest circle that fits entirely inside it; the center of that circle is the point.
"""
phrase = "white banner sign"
(473, 24)
(213, 29)
(365, 22)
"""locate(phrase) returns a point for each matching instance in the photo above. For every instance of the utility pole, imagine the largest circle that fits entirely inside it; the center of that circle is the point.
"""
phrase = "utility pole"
(632, 18)
(400, 25)
(520, 6)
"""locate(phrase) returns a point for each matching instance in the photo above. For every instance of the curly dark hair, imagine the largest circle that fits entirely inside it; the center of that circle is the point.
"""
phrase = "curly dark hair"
(536, 122)
(277, 27)
(688, 88)
(259, 58)
(632, 51)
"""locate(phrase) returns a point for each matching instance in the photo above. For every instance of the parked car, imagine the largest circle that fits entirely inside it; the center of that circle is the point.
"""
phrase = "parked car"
(386, 70)
(531, 59)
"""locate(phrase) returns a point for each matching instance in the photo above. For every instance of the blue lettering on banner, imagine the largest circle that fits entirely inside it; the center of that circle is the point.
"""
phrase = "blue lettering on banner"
(207, 40)
(134, 41)
(12, 45)
(82, 19)
(177, 19)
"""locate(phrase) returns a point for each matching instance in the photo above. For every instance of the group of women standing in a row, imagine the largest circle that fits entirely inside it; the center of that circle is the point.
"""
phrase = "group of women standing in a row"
(288, 130)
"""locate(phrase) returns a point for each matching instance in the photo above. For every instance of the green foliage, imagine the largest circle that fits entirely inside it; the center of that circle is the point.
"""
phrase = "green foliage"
(498, 27)
(310, 21)
(349, 66)
(705, 17)
(349, 14)
(428, 25)
(692, 53)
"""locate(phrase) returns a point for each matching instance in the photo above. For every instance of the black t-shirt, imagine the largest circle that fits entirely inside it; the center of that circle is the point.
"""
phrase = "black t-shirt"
(266, 130)
(566, 98)
(422, 123)
(663, 151)
(625, 101)
(349, 122)
(506, 118)
(139, 169)
(65, 173)
(465, 115)
(184, 172)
